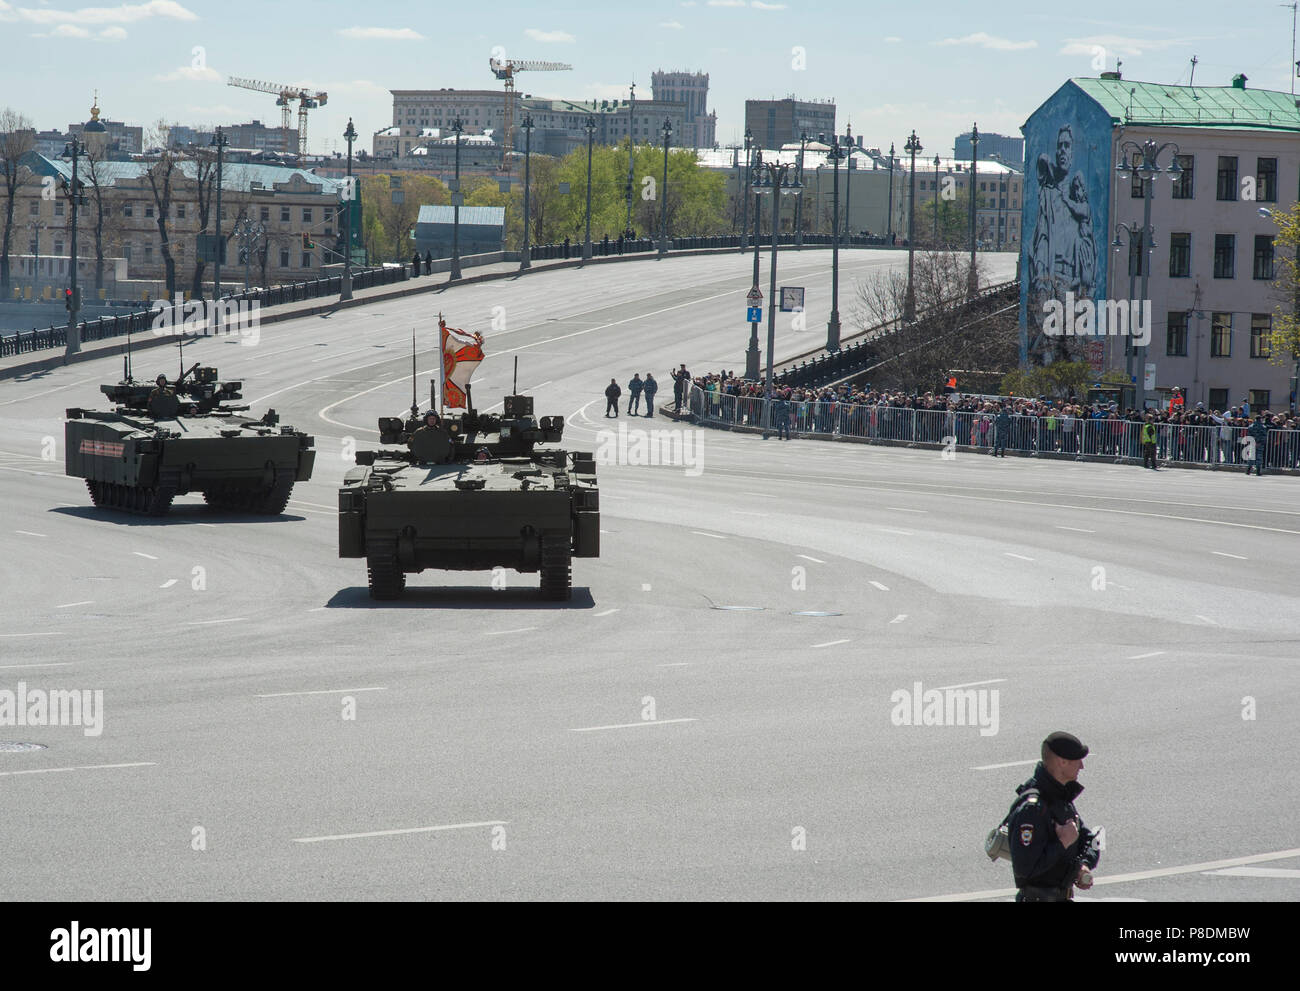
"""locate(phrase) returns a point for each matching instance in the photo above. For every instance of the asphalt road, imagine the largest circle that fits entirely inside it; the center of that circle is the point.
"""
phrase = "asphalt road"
(649, 739)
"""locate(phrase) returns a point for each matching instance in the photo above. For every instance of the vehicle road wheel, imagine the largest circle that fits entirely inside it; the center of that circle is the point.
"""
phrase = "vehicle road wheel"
(386, 578)
(557, 579)
(96, 494)
(158, 501)
(273, 500)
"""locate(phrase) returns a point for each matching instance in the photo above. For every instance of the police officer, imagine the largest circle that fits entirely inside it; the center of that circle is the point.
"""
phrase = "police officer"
(634, 394)
(612, 392)
(1149, 444)
(651, 387)
(781, 414)
(1049, 842)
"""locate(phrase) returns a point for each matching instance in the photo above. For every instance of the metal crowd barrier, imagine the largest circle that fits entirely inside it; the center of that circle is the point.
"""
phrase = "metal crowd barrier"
(1119, 440)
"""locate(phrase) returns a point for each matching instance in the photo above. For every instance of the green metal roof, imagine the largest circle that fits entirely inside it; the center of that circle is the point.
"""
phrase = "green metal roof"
(1131, 102)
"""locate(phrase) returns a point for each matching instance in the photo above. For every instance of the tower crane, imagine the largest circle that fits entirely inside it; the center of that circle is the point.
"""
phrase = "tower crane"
(285, 95)
(505, 69)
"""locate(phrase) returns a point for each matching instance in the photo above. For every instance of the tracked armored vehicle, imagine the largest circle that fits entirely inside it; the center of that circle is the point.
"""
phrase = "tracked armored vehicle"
(156, 444)
(471, 493)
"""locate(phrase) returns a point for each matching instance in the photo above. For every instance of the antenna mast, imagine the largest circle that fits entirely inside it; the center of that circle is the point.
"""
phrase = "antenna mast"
(415, 406)
(1192, 81)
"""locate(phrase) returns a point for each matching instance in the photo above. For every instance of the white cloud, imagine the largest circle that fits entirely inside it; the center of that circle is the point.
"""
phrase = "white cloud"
(381, 34)
(113, 34)
(984, 40)
(203, 74)
(759, 5)
(67, 31)
(1120, 45)
(126, 13)
(674, 25)
(893, 39)
(549, 36)
(727, 3)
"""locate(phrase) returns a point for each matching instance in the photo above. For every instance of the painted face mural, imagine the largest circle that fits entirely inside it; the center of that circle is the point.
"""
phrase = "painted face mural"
(1064, 253)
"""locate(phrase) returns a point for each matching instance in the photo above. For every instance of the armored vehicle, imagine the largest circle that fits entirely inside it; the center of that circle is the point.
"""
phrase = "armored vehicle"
(159, 442)
(470, 493)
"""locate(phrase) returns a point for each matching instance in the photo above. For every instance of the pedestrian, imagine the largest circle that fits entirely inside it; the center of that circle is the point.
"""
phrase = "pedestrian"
(634, 394)
(612, 392)
(650, 388)
(681, 382)
(1149, 444)
(1051, 849)
(1258, 434)
(1001, 432)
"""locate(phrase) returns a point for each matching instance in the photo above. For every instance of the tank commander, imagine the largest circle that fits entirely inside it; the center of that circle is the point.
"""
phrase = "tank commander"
(160, 388)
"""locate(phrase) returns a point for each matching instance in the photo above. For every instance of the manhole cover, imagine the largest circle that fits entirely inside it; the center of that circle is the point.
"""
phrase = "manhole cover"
(19, 748)
(811, 613)
(739, 608)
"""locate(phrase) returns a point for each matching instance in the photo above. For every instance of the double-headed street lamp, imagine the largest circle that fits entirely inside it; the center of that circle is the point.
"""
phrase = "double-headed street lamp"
(972, 278)
(744, 196)
(1147, 170)
(889, 221)
(219, 142)
(458, 126)
(525, 262)
(909, 301)
(631, 157)
(590, 128)
(349, 197)
(751, 355)
(663, 192)
(798, 204)
(836, 155)
(937, 163)
(773, 180)
(1135, 242)
(73, 150)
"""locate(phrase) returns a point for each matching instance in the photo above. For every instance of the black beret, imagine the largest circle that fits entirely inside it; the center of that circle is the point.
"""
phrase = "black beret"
(1066, 745)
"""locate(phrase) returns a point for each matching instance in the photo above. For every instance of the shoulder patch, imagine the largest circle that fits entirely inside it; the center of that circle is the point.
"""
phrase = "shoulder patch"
(1026, 835)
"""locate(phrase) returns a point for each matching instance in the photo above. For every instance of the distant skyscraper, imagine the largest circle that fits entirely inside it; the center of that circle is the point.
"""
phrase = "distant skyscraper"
(691, 89)
(779, 122)
(1010, 150)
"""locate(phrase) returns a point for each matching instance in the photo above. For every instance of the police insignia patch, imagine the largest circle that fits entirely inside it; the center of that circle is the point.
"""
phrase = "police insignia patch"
(1026, 835)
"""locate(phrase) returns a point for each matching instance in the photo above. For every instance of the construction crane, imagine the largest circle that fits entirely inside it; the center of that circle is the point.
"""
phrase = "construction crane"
(505, 69)
(285, 95)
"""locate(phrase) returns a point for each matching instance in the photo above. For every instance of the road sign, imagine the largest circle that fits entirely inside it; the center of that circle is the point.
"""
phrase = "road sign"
(791, 299)
(1150, 378)
(755, 297)
(754, 314)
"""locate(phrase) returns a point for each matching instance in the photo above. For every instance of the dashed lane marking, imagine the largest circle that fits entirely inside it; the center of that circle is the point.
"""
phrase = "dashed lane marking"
(169, 583)
(883, 588)
(1018, 557)
(1206, 619)
(1287, 872)
(324, 691)
(971, 684)
(144, 555)
(644, 722)
(215, 622)
(70, 605)
(53, 664)
(402, 832)
(814, 560)
(1236, 557)
(607, 612)
(83, 767)
(28, 533)
(898, 619)
(1143, 657)
(830, 643)
(501, 633)
(1076, 529)
(715, 536)
(997, 767)
(17, 635)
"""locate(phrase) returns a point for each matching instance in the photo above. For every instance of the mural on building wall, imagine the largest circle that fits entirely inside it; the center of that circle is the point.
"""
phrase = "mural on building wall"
(1066, 203)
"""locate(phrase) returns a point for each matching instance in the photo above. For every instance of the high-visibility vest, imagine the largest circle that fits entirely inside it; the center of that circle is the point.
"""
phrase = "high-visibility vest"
(1148, 433)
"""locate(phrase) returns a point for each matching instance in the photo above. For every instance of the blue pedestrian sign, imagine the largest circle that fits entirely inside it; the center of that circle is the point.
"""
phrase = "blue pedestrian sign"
(754, 314)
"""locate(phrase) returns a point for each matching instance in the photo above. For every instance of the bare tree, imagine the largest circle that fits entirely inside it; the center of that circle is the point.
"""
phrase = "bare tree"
(17, 138)
(205, 181)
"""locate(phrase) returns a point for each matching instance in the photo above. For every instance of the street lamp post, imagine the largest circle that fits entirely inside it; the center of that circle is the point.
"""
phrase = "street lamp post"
(219, 141)
(1148, 170)
(345, 286)
(889, 221)
(972, 278)
(1001, 182)
(744, 197)
(798, 204)
(73, 150)
(457, 126)
(776, 183)
(751, 355)
(631, 158)
(1132, 235)
(936, 202)
(590, 127)
(848, 185)
(833, 326)
(663, 192)
(525, 262)
(909, 301)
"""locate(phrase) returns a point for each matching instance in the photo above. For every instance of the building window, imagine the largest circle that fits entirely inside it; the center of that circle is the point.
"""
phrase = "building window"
(306, 259)
(126, 253)
(128, 210)
(1266, 180)
(58, 247)
(148, 211)
(1184, 186)
(329, 215)
(306, 215)
(1227, 189)
(148, 252)
(265, 214)
(1263, 268)
(1225, 256)
(1176, 334)
(34, 208)
(284, 258)
(1221, 336)
(1261, 326)
(1135, 255)
(180, 211)
(58, 208)
(284, 214)
(1258, 399)
(1180, 256)
(1137, 188)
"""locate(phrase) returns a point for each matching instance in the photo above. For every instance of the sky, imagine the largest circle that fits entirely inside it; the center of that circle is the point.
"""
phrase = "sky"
(935, 67)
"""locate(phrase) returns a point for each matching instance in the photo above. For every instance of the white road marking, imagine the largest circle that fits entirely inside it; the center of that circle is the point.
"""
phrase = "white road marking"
(1018, 557)
(83, 767)
(830, 643)
(1237, 557)
(675, 664)
(901, 533)
(1076, 529)
(607, 612)
(814, 560)
(70, 605)
(1143, 657)
(402, 832)
(318, 609)
(883, 588)
(1012, 763)
(205, 524)
(701, 533)
(645, 587)
(644, 722)
(898, 619)
(1206, 619)
(742, 512)
(59, 664)
(900, 509)
(971, 684)
(28, 533)
(214, 622)
(144, 555)
(501, 633)
(15, 635)
(1204, 868)
(326, 691)
(169, 583)
(1257, 872)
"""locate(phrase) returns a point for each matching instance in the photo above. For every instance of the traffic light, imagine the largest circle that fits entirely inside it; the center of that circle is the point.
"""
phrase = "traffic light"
(307, 243)
(67, 300)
